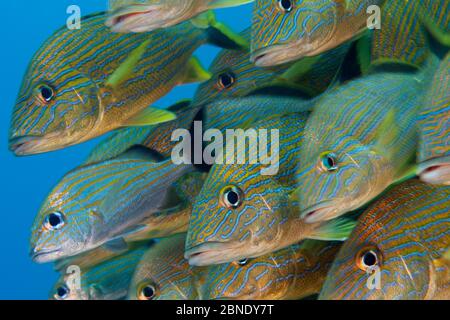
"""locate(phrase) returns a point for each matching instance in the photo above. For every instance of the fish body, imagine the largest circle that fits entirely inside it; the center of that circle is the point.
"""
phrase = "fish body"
(164, 274)
(241, 113)
(401, 237)
(360, 139)
(435, 17)
(401, 38)
(434, 128)
(292, 273)
(149, 15)
(157, 138)
(242, 213)
(112, 203)
(284, 31)
(84, 83)
(109, 280)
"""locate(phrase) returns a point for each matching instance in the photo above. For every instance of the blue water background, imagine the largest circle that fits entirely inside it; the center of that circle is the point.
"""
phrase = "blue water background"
(25, 182)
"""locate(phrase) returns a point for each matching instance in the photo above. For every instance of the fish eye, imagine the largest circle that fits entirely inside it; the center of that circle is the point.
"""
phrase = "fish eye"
(232, 197)
(242, 262)
(47, 93)
(146, 292)
(62, 293)
(226, 80)
(367, 259)
(285, 5)
(54, 221)
(328, 162)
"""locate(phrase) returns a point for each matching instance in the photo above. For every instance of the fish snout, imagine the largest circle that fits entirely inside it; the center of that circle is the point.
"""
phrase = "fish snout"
(22, 145)
(212, 253)
(41, 255)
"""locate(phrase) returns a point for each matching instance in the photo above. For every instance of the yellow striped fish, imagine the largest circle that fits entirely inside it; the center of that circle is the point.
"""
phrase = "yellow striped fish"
(293, 273)
(112, 203)
(361, 138)
(84, 83)
(241, 212)
(396, 251)
(109, 280)
(287, 30)
(149, 15)
(164, 274)
(434, 126)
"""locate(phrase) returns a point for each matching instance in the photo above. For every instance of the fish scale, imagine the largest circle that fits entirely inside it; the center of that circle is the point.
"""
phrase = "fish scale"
(308, 29)
(409, 229)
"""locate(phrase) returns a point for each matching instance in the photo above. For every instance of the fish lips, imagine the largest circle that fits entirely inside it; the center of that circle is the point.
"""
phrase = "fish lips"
(435, 171)
(212, 253)
(321, 212)
(128, 19)
(27, 145)
(44, 256)
(278, 54)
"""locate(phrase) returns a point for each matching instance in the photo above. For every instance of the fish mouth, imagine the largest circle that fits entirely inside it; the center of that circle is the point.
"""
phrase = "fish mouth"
(279, 54)
(435, 171)
(212, 253)
(323, 211)
(129, 18)
(43, 256)
(26, 145)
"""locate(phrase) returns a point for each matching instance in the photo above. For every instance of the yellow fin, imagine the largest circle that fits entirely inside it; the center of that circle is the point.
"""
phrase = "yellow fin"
(195, 72)
(125, 70)
(387, 131)
(150, 116)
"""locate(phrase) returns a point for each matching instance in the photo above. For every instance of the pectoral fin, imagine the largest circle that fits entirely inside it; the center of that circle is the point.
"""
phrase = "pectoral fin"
(218, 33)
(150, 116)
(195, 72)
(334, 230)
(126, 69)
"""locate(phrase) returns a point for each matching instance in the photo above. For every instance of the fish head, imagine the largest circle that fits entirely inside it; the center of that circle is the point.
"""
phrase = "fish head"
(239, 214)
(434, 143)
(376, 263)
(233, 75)
(339, 177)
(57, 107)
(147, 15)
(68, 220)
(268, 277)
(68, 288)
(287, 30)
(163, 273)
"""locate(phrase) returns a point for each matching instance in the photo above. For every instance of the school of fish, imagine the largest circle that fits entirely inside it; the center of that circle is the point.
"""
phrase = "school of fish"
(338, 188)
